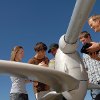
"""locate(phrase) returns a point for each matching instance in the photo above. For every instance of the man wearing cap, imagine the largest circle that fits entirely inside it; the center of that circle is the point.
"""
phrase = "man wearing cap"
(53, 49)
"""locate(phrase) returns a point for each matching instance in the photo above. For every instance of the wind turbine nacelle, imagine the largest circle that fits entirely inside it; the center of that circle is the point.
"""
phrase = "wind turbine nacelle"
(67, 48)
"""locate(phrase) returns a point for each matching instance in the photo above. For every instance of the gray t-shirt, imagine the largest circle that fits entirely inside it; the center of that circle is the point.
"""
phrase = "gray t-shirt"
(18, 85)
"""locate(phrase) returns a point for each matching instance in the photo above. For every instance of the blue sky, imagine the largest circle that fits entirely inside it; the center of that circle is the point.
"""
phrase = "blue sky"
(26, 22)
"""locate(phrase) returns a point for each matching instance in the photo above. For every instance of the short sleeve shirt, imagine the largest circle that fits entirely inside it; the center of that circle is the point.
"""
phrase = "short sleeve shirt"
(93, 67)
(38, 86)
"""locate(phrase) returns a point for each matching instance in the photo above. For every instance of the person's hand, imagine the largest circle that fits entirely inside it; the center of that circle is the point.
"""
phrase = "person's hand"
(28, 80)
(47, 87)
(94, 56)
(94, 47)
(43, 64)
(31, 80)
(38, 88)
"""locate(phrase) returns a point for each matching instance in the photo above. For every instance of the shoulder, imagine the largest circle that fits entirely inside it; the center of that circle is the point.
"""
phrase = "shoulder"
(31, 61)
(45, 57)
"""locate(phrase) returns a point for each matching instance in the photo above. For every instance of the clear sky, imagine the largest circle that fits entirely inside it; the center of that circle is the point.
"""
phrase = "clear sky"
(26, 22)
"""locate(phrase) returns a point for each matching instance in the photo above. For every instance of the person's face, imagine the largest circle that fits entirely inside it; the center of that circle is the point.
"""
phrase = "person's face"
(53, 51)
(19, 55)
(85, 40)
(95, 25)
(41, 53)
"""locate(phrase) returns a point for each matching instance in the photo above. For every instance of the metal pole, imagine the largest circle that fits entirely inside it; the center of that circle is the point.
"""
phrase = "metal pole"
(80, 14)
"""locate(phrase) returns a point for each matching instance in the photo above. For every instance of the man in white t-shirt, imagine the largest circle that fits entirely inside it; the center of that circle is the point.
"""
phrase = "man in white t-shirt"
(53, 49)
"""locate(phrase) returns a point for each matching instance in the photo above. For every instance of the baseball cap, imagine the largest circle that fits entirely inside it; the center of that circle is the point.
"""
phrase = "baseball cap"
(53, 45)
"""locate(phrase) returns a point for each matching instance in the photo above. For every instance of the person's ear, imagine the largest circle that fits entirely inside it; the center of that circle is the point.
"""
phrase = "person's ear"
(97, 20)
(36, 51)
(89, 37)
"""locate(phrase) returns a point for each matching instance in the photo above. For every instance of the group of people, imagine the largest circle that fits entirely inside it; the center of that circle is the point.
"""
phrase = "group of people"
(91, 62)
(18, 89)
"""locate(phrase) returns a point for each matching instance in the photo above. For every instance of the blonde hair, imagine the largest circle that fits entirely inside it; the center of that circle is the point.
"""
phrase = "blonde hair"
(14, 51)
(94, 17)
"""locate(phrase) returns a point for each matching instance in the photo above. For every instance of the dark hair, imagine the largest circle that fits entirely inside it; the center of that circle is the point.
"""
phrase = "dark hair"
(84, 34)
(40, 46)
(53, 45)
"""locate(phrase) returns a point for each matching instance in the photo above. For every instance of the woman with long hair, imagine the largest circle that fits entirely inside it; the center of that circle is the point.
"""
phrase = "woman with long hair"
(18, 89)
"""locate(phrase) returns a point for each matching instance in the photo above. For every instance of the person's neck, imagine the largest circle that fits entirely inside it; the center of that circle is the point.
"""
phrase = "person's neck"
(90, 41)
(16, 60)
(37, 56)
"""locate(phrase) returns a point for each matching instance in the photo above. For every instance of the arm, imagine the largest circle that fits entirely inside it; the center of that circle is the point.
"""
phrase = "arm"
(87, 75)
(86, 66)
(95, 47)
(28, 81)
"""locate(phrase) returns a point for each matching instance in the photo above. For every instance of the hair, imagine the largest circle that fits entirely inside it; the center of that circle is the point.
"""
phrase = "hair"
(40, 46)
(57, 47)
(14, 51)
(94, 17)
(84, 34)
